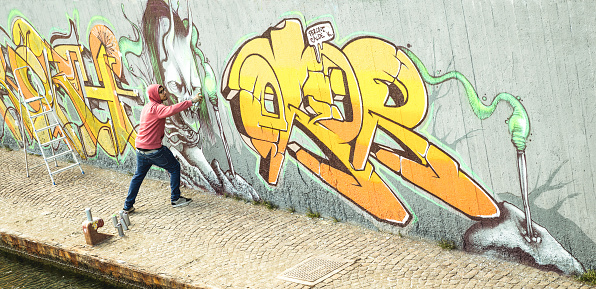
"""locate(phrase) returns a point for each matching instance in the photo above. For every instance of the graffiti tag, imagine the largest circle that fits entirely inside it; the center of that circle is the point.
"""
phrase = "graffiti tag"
(86, 79)
(369, 87)
(319, 33)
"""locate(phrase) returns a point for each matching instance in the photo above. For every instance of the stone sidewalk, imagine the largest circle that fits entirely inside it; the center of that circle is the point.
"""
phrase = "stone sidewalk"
(218, 242)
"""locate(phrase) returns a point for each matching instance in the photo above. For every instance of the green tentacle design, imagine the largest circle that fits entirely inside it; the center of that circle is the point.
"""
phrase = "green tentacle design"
(209, 82)
(129, 46)
(518, 122)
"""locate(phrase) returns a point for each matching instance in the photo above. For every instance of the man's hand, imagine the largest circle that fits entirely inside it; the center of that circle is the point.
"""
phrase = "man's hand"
(197, 98)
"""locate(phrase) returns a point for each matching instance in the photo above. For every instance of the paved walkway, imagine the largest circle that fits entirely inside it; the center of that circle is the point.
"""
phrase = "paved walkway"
(218, 242)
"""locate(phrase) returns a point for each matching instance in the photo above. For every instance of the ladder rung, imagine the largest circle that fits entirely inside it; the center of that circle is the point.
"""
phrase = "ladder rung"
(47, 127)
(58, 155)
(53, 141)
(64, 168)
(28, 100)
(40, 114)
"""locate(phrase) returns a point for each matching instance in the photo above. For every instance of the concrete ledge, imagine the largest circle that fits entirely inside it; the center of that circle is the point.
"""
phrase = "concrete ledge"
(105, 270)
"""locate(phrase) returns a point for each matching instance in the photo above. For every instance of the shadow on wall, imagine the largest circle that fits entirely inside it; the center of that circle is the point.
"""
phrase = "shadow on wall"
(561, 228)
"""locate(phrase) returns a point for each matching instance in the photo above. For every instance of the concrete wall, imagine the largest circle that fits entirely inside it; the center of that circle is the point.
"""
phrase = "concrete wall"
(410, 116)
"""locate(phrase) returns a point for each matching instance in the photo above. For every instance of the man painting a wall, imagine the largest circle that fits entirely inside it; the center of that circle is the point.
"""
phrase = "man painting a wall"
(150, 150)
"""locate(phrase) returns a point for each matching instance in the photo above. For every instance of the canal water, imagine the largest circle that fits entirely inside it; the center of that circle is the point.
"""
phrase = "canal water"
(17, 272)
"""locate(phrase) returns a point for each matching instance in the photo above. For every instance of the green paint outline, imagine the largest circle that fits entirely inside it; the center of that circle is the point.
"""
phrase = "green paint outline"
(300, 15)
(232, 52)
(94, 21)
(269, 187)
(14, 13)
(75, 18)
(354, 35)
(239, 43)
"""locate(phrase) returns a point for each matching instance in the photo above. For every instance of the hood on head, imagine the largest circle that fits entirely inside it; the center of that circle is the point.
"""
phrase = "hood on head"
(153, 93)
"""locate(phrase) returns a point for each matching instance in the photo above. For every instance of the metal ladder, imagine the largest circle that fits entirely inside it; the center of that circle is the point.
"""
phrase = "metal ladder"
(46, 111)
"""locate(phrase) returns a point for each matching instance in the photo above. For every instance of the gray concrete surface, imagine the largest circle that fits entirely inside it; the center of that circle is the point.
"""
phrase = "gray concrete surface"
(218, 242)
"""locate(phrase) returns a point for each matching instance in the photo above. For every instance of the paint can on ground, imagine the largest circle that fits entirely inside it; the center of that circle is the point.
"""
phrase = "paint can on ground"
(120, 230)
(125, 217)
(123, 224)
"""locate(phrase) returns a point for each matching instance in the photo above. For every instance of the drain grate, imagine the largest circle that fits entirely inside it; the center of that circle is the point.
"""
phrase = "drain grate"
(315, 270)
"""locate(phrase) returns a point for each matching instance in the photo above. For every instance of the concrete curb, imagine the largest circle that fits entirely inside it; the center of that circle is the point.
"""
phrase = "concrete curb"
(88, 265)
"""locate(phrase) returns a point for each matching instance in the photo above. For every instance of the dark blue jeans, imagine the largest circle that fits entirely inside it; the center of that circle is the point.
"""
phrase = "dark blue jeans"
(162, 158)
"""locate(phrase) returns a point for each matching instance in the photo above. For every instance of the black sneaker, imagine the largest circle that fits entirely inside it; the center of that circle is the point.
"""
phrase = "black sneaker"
(181, 202)
(128, 211)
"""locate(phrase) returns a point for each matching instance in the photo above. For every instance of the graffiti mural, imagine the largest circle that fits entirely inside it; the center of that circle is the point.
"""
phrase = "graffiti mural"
(83, 84)
(343, 99)
(96, 103)
(292, 99)
(167, 52)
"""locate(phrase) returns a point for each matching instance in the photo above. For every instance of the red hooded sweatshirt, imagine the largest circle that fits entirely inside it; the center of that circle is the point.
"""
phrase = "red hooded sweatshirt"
(153, 119)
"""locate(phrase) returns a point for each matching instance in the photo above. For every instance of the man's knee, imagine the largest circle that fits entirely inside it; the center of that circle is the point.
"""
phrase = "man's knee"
(174, 167)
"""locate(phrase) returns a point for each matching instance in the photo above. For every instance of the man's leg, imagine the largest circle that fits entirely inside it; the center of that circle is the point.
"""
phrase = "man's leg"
(166, 160)
(143, 166)
(173, 168)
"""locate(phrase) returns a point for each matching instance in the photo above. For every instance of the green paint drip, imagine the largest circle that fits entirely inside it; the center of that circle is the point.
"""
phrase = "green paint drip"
(519, 124)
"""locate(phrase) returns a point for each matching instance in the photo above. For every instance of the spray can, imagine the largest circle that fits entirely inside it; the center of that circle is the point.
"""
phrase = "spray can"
(115, 220)
(88, 213)
(124, 216)
(123, 223)
(120, 231)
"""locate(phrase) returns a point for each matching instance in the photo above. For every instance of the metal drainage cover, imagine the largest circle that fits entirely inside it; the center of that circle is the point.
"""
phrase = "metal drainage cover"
(315, 270)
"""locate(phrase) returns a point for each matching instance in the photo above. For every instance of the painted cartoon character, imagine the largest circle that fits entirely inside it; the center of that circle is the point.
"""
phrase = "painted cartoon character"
(171, 47)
